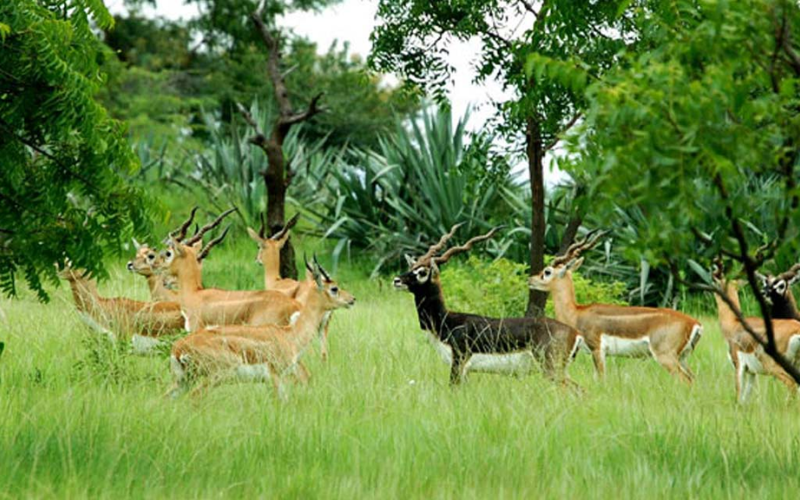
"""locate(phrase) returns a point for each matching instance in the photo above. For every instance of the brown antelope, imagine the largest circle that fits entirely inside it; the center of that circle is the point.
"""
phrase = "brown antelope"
(212, 306)
(145, 263)
(745, 352)
(255, 352)
(147, 260)
(611, 330)
(778, 290)
(463, 336)
(269, 256)
(142, 322)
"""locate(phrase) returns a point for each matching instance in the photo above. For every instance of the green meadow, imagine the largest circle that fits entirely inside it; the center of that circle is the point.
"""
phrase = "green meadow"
(82, 419)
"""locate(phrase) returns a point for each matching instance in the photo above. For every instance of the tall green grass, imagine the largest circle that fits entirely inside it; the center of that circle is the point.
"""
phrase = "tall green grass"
(378, 420)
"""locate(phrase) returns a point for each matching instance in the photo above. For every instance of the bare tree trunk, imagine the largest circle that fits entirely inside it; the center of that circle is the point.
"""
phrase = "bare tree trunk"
(278, 175)
(535, 153)
(570, 232)
(275, 180)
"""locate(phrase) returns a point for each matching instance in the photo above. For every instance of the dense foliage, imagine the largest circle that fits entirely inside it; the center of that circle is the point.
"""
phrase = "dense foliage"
(228, 171)
(700, 135)
(169, 73)
(62, 192)
(414, 39)
(426, 177)
(497, 288)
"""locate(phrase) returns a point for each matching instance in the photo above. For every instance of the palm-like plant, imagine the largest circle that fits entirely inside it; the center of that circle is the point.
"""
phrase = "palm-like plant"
(230, 171)
(421, 181)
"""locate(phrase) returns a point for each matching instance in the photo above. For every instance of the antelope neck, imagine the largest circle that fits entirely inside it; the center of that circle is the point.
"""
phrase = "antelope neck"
(727, 318)
(785, 307)
(311, 316)
(84, 292)
(156, 285)
(563, 292)
(189, 277)
(271, 260)
(431, 309)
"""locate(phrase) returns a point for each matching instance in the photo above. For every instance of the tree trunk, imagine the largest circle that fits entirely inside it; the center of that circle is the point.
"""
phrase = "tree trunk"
(569, 233)
(535, 152)
(277, 176)
(275, 183)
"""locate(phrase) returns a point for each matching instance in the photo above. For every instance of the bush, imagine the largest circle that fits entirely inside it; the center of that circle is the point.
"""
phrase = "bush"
(499, 288)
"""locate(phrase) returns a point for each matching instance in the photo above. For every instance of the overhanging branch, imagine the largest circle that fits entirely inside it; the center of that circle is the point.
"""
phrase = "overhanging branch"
(313, 109)
(563, 131)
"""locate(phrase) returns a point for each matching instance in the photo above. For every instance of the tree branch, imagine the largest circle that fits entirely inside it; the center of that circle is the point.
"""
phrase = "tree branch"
(259, 139)
(273, 62)
(772, 353)
(710, 242)
(313, 109)
(529, 7)
(750, 267)
(563, 131)
(786, 44)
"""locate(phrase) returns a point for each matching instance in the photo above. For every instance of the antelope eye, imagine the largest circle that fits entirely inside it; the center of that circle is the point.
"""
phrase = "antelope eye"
(151, 256)
(334, 290)
(168, 254)
(547, 272)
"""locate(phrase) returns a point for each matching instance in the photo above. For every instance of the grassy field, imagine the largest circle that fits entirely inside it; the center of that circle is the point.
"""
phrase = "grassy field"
(377, 421)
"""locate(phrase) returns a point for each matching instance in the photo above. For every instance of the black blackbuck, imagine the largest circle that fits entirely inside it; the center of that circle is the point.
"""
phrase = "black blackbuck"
(551, 343)
(778, 289)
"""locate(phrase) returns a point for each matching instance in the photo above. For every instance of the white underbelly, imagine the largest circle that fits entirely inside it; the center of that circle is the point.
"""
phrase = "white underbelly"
(512, 363)
(750, 362)
(619, 346)
(252, 373)
(144, 345)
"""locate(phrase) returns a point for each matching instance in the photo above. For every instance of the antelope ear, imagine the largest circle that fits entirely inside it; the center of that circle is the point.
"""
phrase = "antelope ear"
(177, 248)
(434, 268)
(574, 264)
(763, 279)
(794, 280)
(254, 236)
(318, 276)
(136, 244)
(282, 241)
(409, 260)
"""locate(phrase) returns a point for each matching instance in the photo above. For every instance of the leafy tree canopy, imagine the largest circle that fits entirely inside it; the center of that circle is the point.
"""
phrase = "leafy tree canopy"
(415, 36)
(701, 133)
(169, 72)
(61, 188)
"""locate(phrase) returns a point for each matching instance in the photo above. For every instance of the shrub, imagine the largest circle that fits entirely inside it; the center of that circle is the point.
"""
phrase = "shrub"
(499, 288)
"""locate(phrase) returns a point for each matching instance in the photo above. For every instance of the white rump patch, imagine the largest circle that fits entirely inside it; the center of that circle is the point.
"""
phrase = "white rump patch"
(694, 338)
(578, 344)
(144, 345)
(751, 362)
(619, 346)
(793, 349)
(186, 325)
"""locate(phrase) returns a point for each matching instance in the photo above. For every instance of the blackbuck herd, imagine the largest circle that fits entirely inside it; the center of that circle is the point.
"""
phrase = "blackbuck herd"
(261, 335)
